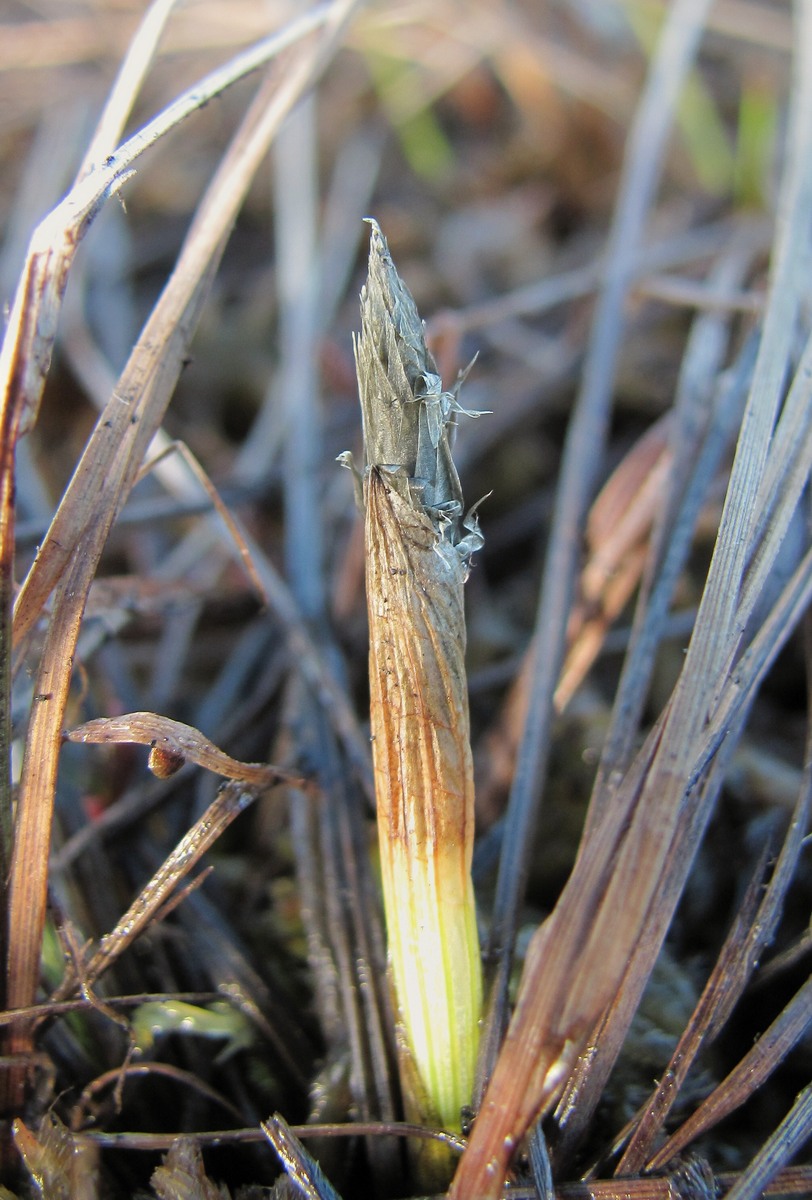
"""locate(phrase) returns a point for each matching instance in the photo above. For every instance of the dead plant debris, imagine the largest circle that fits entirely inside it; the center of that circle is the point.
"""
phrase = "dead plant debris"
(608, 207)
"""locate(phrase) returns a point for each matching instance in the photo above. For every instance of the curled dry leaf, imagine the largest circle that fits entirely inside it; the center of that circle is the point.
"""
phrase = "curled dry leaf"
(618, 531)
(617, 540)
(172, 744)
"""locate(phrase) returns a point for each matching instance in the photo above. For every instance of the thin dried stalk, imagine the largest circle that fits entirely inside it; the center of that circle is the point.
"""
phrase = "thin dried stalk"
(580, 464)
(736, 964)
(113, 457)
(417, 550)
(158, 892)
(598, 947)
(786, 1141)
(746, 1077)
(301, 1168)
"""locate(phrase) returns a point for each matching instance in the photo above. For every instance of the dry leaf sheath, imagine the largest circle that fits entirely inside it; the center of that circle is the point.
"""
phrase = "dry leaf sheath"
(417, 550)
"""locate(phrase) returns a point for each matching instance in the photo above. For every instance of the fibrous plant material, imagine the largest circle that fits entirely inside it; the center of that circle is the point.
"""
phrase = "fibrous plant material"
(418, 544)
(69, 553)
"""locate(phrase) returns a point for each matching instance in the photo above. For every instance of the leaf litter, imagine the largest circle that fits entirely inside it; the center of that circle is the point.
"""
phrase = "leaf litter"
(634, 333)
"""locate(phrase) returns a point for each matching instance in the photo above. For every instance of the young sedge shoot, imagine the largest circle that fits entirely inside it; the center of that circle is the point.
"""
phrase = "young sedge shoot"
(418, 545)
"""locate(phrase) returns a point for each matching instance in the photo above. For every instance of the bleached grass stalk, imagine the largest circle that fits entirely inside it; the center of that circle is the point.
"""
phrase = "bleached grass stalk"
(68, 556)
(417, 550)
(595, 953)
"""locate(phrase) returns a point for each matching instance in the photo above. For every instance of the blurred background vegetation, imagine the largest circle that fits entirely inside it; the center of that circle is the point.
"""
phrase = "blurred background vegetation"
(487, 138)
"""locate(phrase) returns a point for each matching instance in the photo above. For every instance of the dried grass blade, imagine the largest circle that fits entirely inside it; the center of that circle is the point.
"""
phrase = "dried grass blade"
(618, 530)
(135, 410)
(297, 387)
(28, 341)
(101, 484)
(574, 956)
(533, 1068)
(746, 1077)
(650, 865)
(720, 993)
(780, 1148)
(302, 1169)
(140, 53)
(9, 432)
(786, 472)
(343, 919)
(225, 808)
(312, 665)
(735, 691)
(16, 411)
(717, 631)
(693, 1179)
(700, 434)
(697, 437)
(704, 777)
(581, 458)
